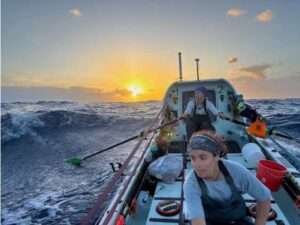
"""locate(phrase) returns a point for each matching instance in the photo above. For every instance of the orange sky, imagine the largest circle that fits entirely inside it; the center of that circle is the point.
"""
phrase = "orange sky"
(106, 48)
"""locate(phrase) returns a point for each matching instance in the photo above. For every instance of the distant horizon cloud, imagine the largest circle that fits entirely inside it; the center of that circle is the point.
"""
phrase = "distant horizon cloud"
(265, 16)
(257, 72)
(26, 79)
(75, 93)
(282, 87)
(75, 12)
(250, 87)
(232, 60)
(235, 12)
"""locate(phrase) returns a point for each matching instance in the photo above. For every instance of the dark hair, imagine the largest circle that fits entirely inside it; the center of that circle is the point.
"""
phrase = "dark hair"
(201, 89)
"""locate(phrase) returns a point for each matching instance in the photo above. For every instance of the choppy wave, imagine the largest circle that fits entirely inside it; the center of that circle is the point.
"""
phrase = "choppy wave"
(286, 122)
(28, 119)
(283, 114)
(39, 188)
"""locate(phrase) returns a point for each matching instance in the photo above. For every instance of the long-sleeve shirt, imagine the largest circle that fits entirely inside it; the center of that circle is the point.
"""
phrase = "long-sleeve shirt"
(200, 108)
(243, 179)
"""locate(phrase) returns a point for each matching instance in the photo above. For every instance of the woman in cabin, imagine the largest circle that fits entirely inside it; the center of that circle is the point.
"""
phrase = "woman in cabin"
(196, 114)
(213, 188)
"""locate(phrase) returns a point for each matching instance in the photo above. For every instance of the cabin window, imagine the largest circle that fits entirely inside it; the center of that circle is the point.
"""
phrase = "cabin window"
(188, 95)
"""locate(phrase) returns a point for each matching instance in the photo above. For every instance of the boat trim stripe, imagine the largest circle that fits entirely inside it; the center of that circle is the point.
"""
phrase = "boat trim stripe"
(164, 220)
(167, 198)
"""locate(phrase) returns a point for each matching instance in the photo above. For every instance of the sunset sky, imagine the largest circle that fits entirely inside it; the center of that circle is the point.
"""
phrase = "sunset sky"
(127, 50)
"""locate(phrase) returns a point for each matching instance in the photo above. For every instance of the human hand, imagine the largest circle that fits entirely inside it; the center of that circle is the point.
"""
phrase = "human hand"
(222, 115)
(145, 133)
(182, 117)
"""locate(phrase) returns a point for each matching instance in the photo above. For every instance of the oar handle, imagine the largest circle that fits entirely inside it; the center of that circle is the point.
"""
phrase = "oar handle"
(129, 139)
(272, 131)
(165, 124)
(234, 121)
(110, 147)
(280, 134)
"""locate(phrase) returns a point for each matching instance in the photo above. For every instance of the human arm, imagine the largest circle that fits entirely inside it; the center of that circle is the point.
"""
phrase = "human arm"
(198, 222)
(188, 110)
(262, 211)
(184, 115)
(193, 207)
(221, 115)
(247, 182)
(210, 106)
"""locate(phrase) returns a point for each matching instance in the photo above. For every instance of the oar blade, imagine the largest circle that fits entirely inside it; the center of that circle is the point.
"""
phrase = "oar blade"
(74, 162)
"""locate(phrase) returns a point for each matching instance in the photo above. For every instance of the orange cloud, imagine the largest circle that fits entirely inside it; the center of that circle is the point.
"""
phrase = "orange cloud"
(75, 93)
(265, 16)
(75, 12)
(235, 12)
(232, 60)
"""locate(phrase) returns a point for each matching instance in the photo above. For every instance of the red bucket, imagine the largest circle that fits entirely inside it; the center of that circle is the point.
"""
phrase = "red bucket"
(271, 174)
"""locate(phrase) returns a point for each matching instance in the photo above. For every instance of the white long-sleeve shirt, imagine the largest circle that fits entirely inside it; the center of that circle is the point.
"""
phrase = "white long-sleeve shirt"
(200, 108)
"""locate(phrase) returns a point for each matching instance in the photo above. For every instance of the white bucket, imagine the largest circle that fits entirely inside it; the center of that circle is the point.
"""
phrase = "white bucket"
(252, 154)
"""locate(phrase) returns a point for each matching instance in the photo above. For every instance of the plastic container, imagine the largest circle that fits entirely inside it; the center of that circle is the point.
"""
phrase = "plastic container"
(166, 168)
(252, 154)
(143, 205)
(143, 198)
(271, 174)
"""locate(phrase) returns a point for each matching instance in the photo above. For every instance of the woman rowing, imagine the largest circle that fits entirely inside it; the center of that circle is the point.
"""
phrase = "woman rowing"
(213, 188)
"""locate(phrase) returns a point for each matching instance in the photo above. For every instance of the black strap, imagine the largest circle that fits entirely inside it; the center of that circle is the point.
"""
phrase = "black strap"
(227, 177)
(202, 185)
(225, 172)
(195, 108)
(204, 106)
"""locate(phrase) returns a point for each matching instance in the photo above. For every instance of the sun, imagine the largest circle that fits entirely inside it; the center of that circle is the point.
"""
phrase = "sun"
(135, 90)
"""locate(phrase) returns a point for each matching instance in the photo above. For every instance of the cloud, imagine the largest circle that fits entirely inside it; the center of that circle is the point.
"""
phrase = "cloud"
(122, 92)
(257, 72)
(75, 12)
(284, 87)
(265, 16)
(235, 12)
(83, 94)
(30, 79)
(232, 60)
(100, 94)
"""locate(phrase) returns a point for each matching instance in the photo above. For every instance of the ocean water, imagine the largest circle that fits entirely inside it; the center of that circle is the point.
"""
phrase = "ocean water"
(38, 187)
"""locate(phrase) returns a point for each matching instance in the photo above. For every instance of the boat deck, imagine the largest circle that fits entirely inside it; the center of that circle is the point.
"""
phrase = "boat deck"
(174, 191)
(222, 95)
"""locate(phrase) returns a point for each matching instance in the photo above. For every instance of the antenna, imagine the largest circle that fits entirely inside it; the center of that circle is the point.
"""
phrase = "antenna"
(180, 66)
(197, 67)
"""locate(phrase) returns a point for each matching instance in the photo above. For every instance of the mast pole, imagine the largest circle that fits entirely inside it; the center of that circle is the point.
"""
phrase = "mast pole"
(180, 66)
(197, 67)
